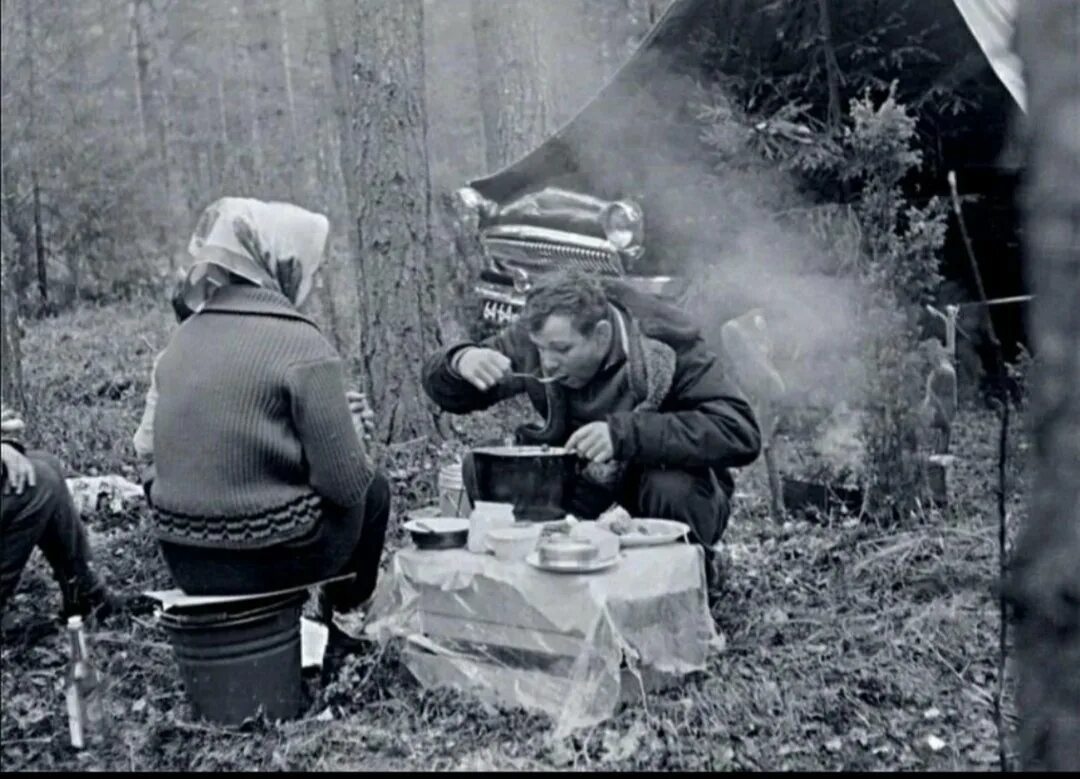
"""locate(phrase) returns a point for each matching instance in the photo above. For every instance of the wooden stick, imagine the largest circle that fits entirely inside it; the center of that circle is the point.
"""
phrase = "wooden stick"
(1002, 401)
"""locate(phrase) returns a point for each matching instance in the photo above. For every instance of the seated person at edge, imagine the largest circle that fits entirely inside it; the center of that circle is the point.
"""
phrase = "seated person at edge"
(262, 482)
(36, 510)
(637, 394)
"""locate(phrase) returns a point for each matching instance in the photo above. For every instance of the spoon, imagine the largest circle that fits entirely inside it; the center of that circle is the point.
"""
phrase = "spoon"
(424, 527)
(541, 379)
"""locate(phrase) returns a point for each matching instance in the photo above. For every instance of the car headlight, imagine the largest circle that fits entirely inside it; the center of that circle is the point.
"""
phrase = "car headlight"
(472, 208)
(623, 224)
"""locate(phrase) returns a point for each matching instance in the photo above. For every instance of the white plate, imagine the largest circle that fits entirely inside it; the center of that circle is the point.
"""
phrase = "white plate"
(569, 567)
(661, 531)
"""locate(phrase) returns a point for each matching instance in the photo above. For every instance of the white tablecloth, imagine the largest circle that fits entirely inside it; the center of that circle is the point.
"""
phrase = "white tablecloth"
(563, 644)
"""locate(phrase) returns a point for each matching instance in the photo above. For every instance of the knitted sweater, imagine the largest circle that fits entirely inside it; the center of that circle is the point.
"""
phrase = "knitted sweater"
(252, 429)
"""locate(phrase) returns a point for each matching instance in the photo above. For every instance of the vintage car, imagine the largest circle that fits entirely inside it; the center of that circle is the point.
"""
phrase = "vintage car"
(554, 228)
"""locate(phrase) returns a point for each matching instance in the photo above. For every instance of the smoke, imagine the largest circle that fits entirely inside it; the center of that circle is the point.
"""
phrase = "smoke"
(732, 223)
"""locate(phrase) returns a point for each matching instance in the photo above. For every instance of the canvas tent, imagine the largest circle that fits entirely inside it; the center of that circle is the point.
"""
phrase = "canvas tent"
(992, 22)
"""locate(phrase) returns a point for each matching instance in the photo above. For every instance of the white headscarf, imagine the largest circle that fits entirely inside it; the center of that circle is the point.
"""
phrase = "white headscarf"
(278, 246)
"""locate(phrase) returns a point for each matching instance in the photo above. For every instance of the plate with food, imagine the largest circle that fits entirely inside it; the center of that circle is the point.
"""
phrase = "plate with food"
(643, 531)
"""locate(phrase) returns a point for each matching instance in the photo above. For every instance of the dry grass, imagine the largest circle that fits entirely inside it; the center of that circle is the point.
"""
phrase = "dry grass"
(848, 647)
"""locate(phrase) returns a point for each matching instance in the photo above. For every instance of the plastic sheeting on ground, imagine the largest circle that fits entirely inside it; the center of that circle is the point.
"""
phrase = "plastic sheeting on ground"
(568, 645)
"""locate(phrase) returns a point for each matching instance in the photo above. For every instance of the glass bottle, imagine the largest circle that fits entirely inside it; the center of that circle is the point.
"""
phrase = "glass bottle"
(85, 690)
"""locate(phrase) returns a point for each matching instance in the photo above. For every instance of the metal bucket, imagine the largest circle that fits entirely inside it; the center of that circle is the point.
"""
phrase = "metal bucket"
(453, 498)
(239, 658)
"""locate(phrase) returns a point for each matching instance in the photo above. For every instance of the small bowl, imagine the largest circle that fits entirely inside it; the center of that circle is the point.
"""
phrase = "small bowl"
(449, 532)
(513, 543)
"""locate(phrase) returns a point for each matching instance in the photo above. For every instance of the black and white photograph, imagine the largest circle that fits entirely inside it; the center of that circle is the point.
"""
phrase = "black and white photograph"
(540, 385)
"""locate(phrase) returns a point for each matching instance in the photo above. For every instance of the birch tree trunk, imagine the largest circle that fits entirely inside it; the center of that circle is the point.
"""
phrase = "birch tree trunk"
(1045, 584)
(393, 219)
(514, 102)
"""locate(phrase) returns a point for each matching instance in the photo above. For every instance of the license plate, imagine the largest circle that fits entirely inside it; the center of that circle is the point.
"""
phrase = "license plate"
(498, 312)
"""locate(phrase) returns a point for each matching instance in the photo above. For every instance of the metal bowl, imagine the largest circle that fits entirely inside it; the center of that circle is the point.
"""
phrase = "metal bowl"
(567, 550)
(443, 532)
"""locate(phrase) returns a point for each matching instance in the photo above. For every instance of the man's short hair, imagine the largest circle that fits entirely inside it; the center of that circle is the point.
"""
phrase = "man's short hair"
(571, 293)
(176, 299)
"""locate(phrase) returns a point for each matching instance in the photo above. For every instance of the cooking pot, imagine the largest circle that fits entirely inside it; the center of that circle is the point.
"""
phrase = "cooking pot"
(535, 479)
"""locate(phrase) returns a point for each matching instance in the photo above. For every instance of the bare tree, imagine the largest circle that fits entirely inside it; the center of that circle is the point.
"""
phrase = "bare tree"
(394, 276)
(1046, 574)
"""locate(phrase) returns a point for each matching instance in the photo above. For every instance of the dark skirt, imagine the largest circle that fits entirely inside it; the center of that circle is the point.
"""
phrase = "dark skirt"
(344, 540)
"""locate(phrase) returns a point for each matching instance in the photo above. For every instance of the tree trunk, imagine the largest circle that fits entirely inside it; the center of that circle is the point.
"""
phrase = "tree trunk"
(140, 58)
(340, 63)
(290, 97)
(11, 386)
(513, 98)
(35, 184)
(269, 82)
(39, 240)
(341, 75)
(148, 39)
(832, 67)
(223, 119)
(1045, 582)
(393, 220)
(257, 169)
(320, 185)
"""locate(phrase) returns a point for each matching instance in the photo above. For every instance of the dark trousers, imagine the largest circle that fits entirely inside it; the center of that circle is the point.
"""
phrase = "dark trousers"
(345, 540)
(691, 496)
(45, 516)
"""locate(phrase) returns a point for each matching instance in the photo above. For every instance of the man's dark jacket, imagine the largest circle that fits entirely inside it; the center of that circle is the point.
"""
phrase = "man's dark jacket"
(703, 422)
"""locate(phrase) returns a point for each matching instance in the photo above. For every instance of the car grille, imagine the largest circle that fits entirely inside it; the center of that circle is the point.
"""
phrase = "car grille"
(545, 255)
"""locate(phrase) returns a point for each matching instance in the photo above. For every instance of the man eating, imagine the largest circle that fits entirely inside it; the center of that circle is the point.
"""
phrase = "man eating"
(636, 393)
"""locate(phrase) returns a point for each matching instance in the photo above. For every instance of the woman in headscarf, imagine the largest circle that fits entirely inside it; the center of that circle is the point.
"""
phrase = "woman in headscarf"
(262, 483)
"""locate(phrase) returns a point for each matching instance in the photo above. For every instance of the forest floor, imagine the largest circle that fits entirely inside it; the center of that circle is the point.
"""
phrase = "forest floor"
(848, 647)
